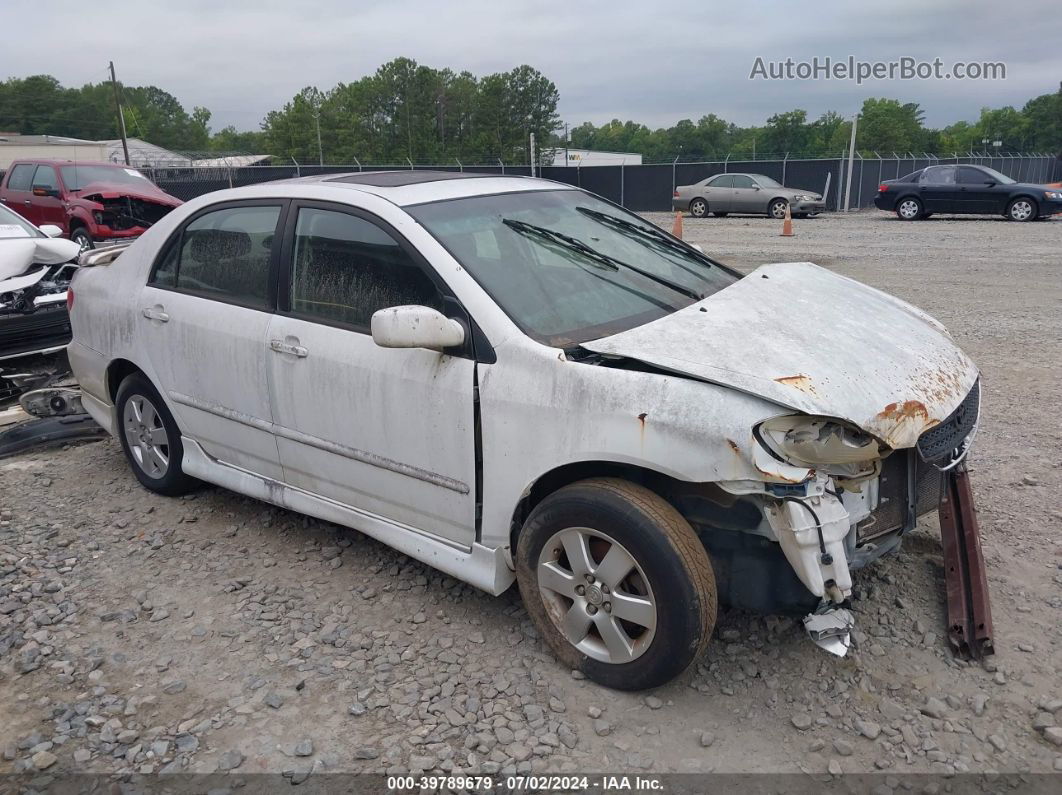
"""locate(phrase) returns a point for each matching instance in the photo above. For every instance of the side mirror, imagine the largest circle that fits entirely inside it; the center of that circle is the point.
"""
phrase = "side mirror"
(41, 190)
(756, 187)
(415, 327)
(51, 230)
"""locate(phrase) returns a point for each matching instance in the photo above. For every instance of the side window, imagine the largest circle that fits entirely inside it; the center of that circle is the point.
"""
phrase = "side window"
(45, 178)
(972, 176)
(345, 268)
(938, 175)
(742, 181)
(21, 177)
(223, 254)
(723, 181)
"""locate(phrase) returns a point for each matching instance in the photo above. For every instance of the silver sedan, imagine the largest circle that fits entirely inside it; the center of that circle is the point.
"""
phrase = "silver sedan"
(745, 193)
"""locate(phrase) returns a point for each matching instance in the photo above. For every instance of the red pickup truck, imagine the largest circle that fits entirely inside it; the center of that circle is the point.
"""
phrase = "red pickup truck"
(90, 202)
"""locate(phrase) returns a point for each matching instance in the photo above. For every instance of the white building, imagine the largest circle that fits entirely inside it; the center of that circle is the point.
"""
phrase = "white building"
(591, 157)
(141, 153)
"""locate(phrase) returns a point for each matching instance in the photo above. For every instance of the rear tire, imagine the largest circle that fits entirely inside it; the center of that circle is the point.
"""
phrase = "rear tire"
(604, 547)
(698, 208)
(150, 438)
(1022, 209)
(909, 209)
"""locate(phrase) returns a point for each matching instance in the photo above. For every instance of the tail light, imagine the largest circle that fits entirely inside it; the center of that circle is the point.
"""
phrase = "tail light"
(675, 194)
(69, 298)
(882, 188)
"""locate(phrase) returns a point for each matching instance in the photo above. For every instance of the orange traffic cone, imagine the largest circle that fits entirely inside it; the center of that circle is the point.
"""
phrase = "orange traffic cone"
(676, 230)
(787, 224)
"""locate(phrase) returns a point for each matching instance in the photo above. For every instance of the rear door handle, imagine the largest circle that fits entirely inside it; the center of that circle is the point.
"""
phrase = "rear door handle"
(155, 313)
(279, 346)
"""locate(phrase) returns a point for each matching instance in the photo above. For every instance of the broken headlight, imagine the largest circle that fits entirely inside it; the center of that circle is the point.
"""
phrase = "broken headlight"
(831, 446)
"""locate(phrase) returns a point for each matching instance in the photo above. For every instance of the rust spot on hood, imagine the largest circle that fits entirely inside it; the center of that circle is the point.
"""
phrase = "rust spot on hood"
(734, 446)
(903, 412)
(641, 418)
(798, 381)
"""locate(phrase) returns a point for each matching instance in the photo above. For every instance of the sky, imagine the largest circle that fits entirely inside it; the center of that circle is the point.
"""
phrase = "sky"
(655, 63)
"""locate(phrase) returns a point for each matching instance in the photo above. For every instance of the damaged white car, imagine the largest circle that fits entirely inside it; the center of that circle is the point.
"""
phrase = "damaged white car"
(514, 380)
(35, 269)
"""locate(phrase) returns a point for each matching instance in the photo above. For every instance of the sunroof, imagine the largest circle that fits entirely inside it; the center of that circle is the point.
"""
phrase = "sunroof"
(394, 179)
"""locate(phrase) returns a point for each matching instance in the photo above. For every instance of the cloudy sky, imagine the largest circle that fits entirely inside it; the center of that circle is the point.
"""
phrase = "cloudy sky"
(652, 62)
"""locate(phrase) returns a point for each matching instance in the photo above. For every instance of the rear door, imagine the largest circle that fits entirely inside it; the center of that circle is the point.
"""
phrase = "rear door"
(389, 432)
(719, 193)
(203, 319)
(18, 194)
(938, 191)
(48, 207)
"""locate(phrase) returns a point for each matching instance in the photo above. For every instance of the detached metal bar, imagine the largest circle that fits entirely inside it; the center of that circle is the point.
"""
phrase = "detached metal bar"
(969, 612)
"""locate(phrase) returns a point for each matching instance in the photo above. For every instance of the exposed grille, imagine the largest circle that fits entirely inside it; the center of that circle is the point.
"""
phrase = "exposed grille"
(48, 327)
(891, 513)
(940, 440)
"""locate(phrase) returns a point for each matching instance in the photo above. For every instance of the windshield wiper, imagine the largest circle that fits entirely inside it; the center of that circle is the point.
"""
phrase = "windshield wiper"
(648, 235)
(575, 244)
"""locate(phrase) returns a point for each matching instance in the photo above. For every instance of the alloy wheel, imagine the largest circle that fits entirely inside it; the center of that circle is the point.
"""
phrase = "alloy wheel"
(146, 436)
(597, 595)
(1021, 210)
(908, 209)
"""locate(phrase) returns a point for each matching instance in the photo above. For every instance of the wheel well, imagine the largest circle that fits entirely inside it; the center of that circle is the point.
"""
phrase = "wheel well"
(116, 373)
(1024, 196)
(698, 198)
(77, 223)
(571, 473)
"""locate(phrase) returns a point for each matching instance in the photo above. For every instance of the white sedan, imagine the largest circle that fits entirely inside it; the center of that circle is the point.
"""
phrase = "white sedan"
(514, 380)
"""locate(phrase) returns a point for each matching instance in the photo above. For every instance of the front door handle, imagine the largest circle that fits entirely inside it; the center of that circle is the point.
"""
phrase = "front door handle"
(279, 346)
(155, 313)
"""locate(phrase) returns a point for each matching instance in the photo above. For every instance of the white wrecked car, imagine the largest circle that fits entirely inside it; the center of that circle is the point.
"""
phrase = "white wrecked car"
(511, 379)
(35, 269)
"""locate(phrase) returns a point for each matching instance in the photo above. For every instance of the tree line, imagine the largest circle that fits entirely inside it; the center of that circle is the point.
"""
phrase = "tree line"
(408, 112)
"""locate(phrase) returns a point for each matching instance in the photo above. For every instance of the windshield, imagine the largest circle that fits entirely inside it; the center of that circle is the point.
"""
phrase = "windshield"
(14, 225)
(77, 177)
(568, 267)
(1002, 179)
(766, 182)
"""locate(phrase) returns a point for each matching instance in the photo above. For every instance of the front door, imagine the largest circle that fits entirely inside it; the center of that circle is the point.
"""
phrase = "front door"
(204, 318)
(385, 431)
(977, 194)
(746, 197)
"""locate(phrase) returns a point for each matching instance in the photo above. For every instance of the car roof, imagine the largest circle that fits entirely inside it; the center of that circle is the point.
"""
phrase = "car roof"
(409, 187)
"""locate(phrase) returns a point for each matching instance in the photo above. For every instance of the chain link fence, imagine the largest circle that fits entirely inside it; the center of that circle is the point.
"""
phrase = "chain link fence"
(649, 187)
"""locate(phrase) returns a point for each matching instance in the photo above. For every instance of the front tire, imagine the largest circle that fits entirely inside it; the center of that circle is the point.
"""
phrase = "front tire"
(617, 582)
(909, 209)
(698, 208)
(150, 438)
(81, 236)
(777, 208)
(1022, 209)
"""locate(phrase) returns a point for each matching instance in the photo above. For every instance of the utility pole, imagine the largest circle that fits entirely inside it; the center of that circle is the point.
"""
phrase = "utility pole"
(121, 117)
(566, 142)
(532, 154)
(320, 151)
(851, 158)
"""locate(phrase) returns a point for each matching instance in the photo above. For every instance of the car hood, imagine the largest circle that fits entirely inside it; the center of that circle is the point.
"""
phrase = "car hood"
(811, 340)
(109, 190)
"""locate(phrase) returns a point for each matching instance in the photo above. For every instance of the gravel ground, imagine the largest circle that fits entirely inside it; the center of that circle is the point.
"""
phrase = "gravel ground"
(142, 634)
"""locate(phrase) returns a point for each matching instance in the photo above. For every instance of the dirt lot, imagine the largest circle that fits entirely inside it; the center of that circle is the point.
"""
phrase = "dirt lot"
(139, 633)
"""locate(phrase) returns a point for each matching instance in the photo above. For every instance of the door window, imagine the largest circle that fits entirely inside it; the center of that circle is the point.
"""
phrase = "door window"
(939, 175)
(724, 181)
(224, 255)
(21, 176)
(742, 181)
(345, 268)
(46, 178)
(972, 176)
